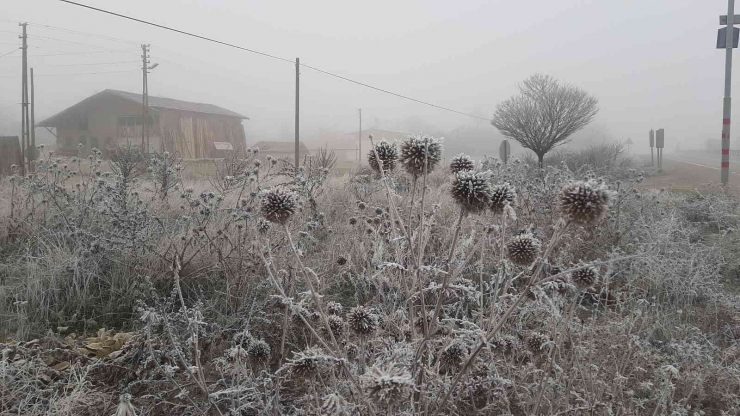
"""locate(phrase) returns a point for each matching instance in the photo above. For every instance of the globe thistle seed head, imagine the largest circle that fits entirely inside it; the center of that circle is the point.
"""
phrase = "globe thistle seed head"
(523, 249)
(334, 308)
(584, 277)
(341, 260)
(585, 202)
(501, 195)
(335, 405)
(361, 206)
(461, 163)
(259, 351)
(352, 221)
(472, 190)
(504, 344)
(304, 366)
(536, 341)
(416, 149)
(379, 211)
(388, 382)
(278, 205)
(452, 356)
(386, 156)
(362, 320)
(336, 324)
(352, 351)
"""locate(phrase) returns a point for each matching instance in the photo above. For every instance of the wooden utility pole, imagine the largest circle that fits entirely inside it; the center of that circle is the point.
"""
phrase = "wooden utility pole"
(144, 99)
(24, 99)
(32, 147)
(297, 91)
(359, 141)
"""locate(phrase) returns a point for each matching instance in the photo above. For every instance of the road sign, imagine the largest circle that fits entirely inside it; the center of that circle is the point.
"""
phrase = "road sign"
(723, 19)
(660, 138)
(722, 37)
(652, 138)
(504, 151)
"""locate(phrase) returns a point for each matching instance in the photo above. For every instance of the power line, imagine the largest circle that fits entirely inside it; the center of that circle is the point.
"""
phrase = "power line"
(78, 73)
(178, 31)
(91, 63)
(8, 53)
(68, 41)
(87, 52)
(270, 56)
(76, 32)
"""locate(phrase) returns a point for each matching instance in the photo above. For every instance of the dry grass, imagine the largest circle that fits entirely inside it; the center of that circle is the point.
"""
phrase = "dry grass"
(232, 315)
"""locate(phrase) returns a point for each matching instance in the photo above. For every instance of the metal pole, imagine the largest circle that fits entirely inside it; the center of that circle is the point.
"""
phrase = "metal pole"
(359, 140)
(297, 91)
(726, 105)
(24, 100)
(143, 98)
(32, 146)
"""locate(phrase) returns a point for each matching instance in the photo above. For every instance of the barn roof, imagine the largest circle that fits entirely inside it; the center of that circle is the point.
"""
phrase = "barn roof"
(154, 102)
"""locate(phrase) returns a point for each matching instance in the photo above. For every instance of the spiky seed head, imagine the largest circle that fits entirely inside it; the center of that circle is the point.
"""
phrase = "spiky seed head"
(452, 356)
(387, 154)
(585, 201)
(336, 324)
(535, 342)
(362, 321)
(334, 308)
(341, 260)
(461, 163)
(504, 344)
(584, 277)
(279, 204)
(352, 351)
(259, 351)
(501, 195)
(335, 405)
(523, 249)
(361, 206)
(416, 149)
(472, 190)
(379, 211)
(352, 221)
(305, 366)
(388, 382)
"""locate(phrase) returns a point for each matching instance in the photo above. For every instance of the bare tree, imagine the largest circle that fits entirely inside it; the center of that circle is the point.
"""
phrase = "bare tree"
(544, 114)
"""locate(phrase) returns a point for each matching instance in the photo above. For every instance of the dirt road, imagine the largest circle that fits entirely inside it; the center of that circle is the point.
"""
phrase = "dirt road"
(686, 173)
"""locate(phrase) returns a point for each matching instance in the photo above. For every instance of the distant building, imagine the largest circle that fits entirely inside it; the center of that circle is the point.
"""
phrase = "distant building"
(10, 154)
(112, 118)
(280, 150)
(346, 146)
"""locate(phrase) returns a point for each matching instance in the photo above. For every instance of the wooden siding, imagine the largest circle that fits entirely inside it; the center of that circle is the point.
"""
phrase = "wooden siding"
(192, 135)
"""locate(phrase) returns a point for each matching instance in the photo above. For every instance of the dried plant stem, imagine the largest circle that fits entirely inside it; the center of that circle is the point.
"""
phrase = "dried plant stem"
(411, 205)
(500, 323)
(458, 225)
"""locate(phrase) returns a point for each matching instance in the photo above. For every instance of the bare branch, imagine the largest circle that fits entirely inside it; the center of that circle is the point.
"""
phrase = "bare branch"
(544, 114)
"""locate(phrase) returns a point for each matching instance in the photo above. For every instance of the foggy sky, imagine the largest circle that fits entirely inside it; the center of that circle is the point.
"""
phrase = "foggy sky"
(651, 63)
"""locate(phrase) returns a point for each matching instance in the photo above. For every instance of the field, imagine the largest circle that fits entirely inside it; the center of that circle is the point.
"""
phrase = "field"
(582, 288)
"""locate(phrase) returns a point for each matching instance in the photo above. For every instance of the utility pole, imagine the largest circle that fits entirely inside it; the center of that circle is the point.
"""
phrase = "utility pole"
(359, 140)
(24, 99)
(729, 44)
(297, 91)
(144, 98)
(32, 147)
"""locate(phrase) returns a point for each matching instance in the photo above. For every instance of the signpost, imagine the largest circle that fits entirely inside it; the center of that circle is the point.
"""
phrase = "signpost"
(730, 34)
(660, 144)
(504, 151)
(652, 144)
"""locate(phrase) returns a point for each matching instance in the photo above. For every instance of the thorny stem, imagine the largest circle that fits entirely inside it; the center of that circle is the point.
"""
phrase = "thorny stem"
(411, 205)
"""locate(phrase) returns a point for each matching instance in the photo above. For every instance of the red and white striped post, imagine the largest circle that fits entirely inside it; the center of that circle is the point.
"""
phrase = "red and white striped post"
(726, 105)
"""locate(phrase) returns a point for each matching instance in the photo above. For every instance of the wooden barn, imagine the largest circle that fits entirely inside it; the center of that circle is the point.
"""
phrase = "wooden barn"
(10, 154)
(112, 118)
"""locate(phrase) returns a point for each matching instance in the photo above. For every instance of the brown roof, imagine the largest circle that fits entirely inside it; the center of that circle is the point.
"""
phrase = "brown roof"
(154, 102)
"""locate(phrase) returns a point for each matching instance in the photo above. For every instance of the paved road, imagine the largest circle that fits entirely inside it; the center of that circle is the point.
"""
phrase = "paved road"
(686, 172)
